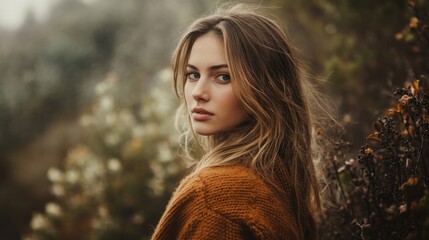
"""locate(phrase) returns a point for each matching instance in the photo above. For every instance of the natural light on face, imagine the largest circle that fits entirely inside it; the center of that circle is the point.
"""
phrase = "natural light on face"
(211, 102)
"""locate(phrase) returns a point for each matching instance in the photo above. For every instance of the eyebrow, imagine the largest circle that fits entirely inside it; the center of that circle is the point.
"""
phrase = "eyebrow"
(215, 67)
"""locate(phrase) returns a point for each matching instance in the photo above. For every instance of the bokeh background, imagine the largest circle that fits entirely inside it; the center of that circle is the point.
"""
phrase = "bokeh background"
(88, 149)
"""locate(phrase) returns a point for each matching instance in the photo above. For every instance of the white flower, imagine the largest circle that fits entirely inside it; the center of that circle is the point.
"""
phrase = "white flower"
(164, 152)
(72, 176)
(165, 75)
(172, 168)
(106, 103)
(157, 169)
(151, 129)
(111, 139)
(53, 209)
(157, 182)
(157, 186)
(92, 177)
(93, 170)
(86, 120)
(114, 165)
(101, 88)
(138, 219)
(110, 119)
(104, 223)
(39, 222)
(58, 190)
(161, 101)
(138, 131)
(126, 117)
(55, 175)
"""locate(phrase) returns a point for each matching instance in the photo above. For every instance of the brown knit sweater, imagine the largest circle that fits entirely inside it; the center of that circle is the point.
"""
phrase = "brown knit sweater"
(226, 203)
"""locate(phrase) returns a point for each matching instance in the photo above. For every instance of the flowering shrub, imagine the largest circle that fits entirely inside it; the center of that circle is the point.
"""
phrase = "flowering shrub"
(385, 194)
(116, 184)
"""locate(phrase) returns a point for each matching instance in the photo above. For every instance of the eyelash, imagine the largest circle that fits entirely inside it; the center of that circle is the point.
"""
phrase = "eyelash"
(224, 74)
(188, 74)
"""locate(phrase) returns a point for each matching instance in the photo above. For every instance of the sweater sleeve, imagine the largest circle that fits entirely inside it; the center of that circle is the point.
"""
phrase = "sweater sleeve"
(223, 203)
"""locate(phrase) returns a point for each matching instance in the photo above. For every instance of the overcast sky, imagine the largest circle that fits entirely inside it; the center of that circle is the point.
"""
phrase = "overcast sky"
(12, 12)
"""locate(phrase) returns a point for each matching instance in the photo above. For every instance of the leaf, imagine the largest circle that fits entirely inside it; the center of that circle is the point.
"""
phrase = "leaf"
(399, 108)
(391, 112)
(412, 181)
(404, 100)
(402, 208)
(415, 87)
(399, 36)
(377, 126)
(368, 151)
(411, 129)
(416, 48)
(374, 137)
(341, 169)
(413, 22)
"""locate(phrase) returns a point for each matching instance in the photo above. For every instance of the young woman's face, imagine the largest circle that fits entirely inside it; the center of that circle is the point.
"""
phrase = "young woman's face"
(212, 105)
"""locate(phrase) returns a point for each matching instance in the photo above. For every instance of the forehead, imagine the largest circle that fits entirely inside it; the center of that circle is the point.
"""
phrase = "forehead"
(207, 50)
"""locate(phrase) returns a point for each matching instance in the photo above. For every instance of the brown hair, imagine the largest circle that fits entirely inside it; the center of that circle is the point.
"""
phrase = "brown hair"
(268, 81)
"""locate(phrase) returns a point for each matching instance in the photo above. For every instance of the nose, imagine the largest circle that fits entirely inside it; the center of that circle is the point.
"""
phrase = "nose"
(201, 91)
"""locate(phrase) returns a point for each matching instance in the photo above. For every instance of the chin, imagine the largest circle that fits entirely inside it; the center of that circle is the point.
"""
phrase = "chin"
(202, 128)
(203, 132)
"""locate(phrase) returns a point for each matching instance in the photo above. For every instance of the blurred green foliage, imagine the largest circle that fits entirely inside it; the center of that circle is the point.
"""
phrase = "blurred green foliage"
(116, 184)
(364, 48)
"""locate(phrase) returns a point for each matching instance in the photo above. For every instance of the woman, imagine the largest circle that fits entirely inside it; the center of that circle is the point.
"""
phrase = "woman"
(247, 111)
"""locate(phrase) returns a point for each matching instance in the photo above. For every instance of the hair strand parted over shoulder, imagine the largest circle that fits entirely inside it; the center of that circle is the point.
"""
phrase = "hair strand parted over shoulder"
(268, 81)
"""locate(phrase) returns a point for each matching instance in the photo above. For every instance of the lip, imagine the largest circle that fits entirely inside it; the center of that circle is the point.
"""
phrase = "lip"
(200, 114)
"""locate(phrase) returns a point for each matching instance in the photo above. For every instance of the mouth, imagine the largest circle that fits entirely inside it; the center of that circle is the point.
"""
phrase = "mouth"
(201, 111)
(200, 114)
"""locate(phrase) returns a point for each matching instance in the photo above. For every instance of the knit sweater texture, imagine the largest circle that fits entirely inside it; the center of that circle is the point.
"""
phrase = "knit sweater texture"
(228, 203)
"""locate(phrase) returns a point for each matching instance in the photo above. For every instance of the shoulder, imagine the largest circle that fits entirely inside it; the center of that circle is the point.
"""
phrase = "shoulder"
(235, 191)
(232, 186)
(234, 173)
(221, 189)
(225, 185)
(240, 195)
(226, 200)
(216, 179)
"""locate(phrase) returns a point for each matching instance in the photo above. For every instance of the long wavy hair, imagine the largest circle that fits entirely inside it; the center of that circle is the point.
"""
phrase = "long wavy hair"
(268, 81)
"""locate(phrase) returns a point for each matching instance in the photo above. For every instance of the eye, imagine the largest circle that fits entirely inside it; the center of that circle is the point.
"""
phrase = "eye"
(193, 76)
(224, 77)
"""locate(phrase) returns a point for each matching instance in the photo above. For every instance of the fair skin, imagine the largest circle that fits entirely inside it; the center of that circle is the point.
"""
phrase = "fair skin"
(210, 99)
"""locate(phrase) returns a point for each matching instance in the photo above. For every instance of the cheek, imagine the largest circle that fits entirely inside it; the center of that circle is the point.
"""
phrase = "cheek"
(233, 104)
